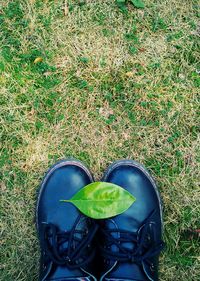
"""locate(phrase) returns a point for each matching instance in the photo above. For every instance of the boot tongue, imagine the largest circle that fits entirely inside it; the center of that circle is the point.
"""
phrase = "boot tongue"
(127, 270)
(59, 272)
(72, 279)
(113, 279)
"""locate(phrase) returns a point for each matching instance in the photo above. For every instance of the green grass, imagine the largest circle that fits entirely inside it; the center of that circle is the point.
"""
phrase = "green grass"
(111, 85)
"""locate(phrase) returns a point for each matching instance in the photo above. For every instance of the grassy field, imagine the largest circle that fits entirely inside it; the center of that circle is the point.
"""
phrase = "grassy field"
(110, 85)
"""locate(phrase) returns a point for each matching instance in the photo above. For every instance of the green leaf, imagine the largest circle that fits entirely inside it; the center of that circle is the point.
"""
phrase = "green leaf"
(100, 200)
(121, 5)
(138, 3)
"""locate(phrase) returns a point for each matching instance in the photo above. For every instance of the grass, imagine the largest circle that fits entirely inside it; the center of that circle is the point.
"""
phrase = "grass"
(111, 85)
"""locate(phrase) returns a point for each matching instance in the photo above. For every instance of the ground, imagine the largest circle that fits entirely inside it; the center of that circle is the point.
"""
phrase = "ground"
(85, 79)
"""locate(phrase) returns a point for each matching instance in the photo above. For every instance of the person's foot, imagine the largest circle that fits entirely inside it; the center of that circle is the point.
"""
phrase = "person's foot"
(131, 242)
(66, 236)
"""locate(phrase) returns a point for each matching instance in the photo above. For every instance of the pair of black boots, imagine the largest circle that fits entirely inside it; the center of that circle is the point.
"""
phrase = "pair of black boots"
(75, 247)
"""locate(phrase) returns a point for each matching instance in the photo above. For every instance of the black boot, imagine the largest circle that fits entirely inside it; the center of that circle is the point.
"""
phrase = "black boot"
(131, 242)
(65, 235)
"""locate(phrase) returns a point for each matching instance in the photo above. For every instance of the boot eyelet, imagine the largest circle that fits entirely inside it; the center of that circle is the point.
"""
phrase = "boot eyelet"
(68, 259)
(44, 267)
(152, 267)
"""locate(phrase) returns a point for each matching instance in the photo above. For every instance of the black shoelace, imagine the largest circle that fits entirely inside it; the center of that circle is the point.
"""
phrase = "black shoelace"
(144, 249)
(78, 251)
